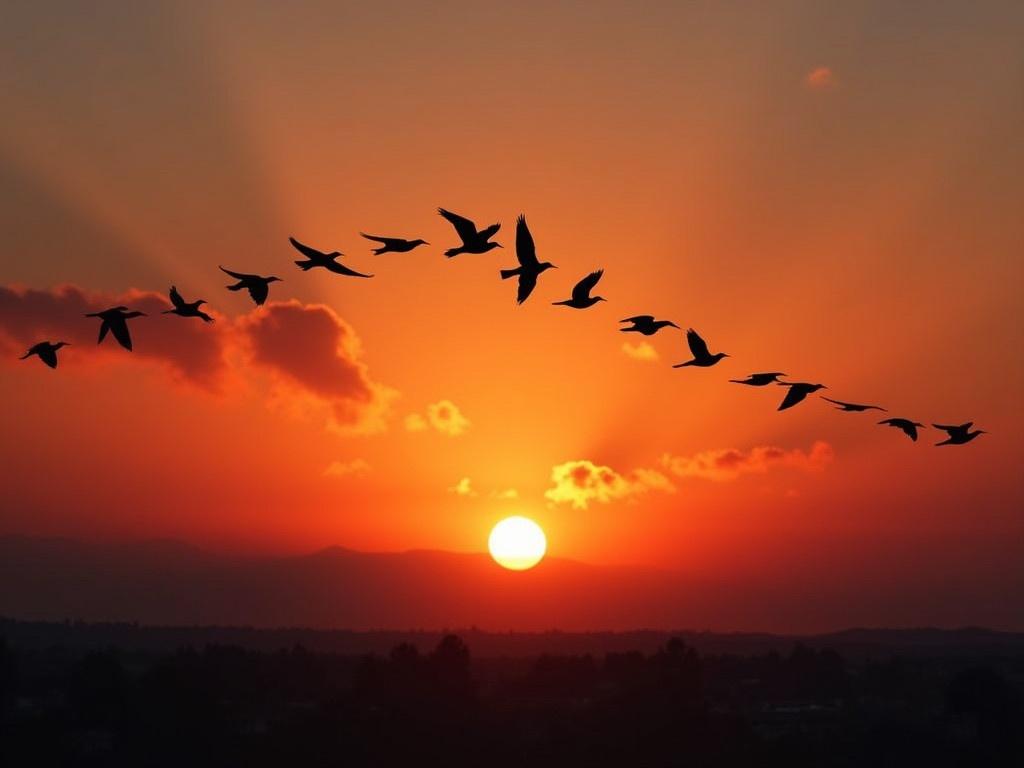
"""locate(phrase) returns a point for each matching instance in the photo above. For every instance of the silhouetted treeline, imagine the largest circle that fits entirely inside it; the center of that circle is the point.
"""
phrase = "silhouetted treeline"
(227, 706)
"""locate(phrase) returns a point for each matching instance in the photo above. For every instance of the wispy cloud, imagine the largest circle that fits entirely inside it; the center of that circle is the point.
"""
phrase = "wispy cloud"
(641, 351)
(443, 416)
(581, 482)
(730, 463)
(821, 79)
(346, 468)
(463, 488)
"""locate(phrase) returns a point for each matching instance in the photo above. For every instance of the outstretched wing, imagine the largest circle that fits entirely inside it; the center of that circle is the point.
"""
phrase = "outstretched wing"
(258, 291)
(526, 251)
(910, 428)
(305, 250)
(639, 319)
(465, 228)
(698, 346)
(583, 288)
(236, 275)
(488, 232)
(794, 396)
(951, 428)
(388, 242)
(176, 299)
(120, 330)
(340, 269)
(48, 355)
(840, 403)
(527, 282)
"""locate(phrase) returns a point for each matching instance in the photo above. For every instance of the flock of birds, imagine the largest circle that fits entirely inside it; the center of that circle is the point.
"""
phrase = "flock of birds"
(478, 241)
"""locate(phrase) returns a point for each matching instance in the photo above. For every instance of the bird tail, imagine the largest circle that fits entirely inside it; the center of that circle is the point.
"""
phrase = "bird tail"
(507, 273)
(305, 266)
(452, 252)
(379, 251)
(683, 365)
(736, 381)
(567, 302)
(26, 356)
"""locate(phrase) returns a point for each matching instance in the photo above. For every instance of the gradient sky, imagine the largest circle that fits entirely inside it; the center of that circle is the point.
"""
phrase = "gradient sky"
(831, 190)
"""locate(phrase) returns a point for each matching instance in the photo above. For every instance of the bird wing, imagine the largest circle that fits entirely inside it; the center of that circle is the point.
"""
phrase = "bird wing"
(465, 228)
(840, 403)
(489, 232)
(176, 299)
(340, 269)
(698, 346)
(236, 275)
(526, 251)
(258, 291)
(952, 428)
(104, 327)
(49, 356)
(527, 282)
(583, 288)
(305, 250)
(639, 319)
(794, 396)
(120, 330)
(389, 242)
(910, 429)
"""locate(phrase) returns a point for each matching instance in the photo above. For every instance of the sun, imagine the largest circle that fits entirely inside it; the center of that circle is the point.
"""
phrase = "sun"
(517, 543)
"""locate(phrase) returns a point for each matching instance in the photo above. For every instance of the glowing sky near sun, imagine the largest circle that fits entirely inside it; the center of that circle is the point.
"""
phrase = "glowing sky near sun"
(833, 192)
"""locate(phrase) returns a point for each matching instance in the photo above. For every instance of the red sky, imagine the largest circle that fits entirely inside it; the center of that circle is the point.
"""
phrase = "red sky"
(833, 193)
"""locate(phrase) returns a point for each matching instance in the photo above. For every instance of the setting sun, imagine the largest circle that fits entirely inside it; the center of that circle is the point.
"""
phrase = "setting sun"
(517, 543)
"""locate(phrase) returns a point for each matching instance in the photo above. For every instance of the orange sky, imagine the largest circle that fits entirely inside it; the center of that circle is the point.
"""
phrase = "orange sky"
(831, 193)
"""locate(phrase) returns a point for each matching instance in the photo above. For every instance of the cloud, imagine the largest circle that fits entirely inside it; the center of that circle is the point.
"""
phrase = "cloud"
(820, 79)
(194, 351)
(443, 416)
(463, 488)
(580, 482)
(346, 468)
(506, 495)
(729, 463)
(640, 351)
(314, 358)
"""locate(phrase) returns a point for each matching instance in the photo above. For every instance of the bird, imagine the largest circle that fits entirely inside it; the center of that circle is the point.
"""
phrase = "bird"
(699, 349)
(394, 244)
(328, 261)
(798, 390)
(909, 427)
(646, 324)
(759, 379)
(529, 267)
(473, 240)
(852, 407)
(581, 298)
(45, 351)
(116, 320)
(257, 286)
(959, 434)
(186, 309)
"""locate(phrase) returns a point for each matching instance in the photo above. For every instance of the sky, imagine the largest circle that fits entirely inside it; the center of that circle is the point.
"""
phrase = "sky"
(829, 190)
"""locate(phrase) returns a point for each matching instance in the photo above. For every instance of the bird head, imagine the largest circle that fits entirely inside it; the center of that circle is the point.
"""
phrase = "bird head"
(420, 241)
(600, 298)
(273, 279)
(670, 323)
(545, 265)
(60, 344)
(200, 302)
(134, 314)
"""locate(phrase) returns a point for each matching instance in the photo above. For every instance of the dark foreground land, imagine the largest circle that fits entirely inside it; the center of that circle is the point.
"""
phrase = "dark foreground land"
(121, 695)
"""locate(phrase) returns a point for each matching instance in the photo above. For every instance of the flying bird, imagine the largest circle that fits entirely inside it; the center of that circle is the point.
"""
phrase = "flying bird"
(473, 241)
(328, 261)
(699, 349)
(852, 407)
(529, 268)
(394, 244)
(184, 308)
(581, 298)
(646, 324)
(759, 379)
(959, 434)
(257, 286)
(798, 390)
(45, 351)
(909, 427)
(116, 320)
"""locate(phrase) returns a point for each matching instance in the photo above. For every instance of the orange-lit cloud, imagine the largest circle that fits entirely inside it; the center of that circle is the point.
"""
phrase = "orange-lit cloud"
(730, 463)
(463, 488)
(314, 357)
(641, 351)
(443, 416)
(820, 79)
(346, 468)
(580, 482)
(194, 351)
(508, 494)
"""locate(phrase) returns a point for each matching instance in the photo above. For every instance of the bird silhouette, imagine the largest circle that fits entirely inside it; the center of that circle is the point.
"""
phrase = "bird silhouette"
(184, 308)
(909, 427)
(116, 320)
(328, 261)
(529, 268)
(759, 379)
(581, 298)
(473, 240)
(394, 244)
(646, 324)
(852, 407)
(959, 434)
(798, 390)
(699, 349)
(45, 351)
(257, 286)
